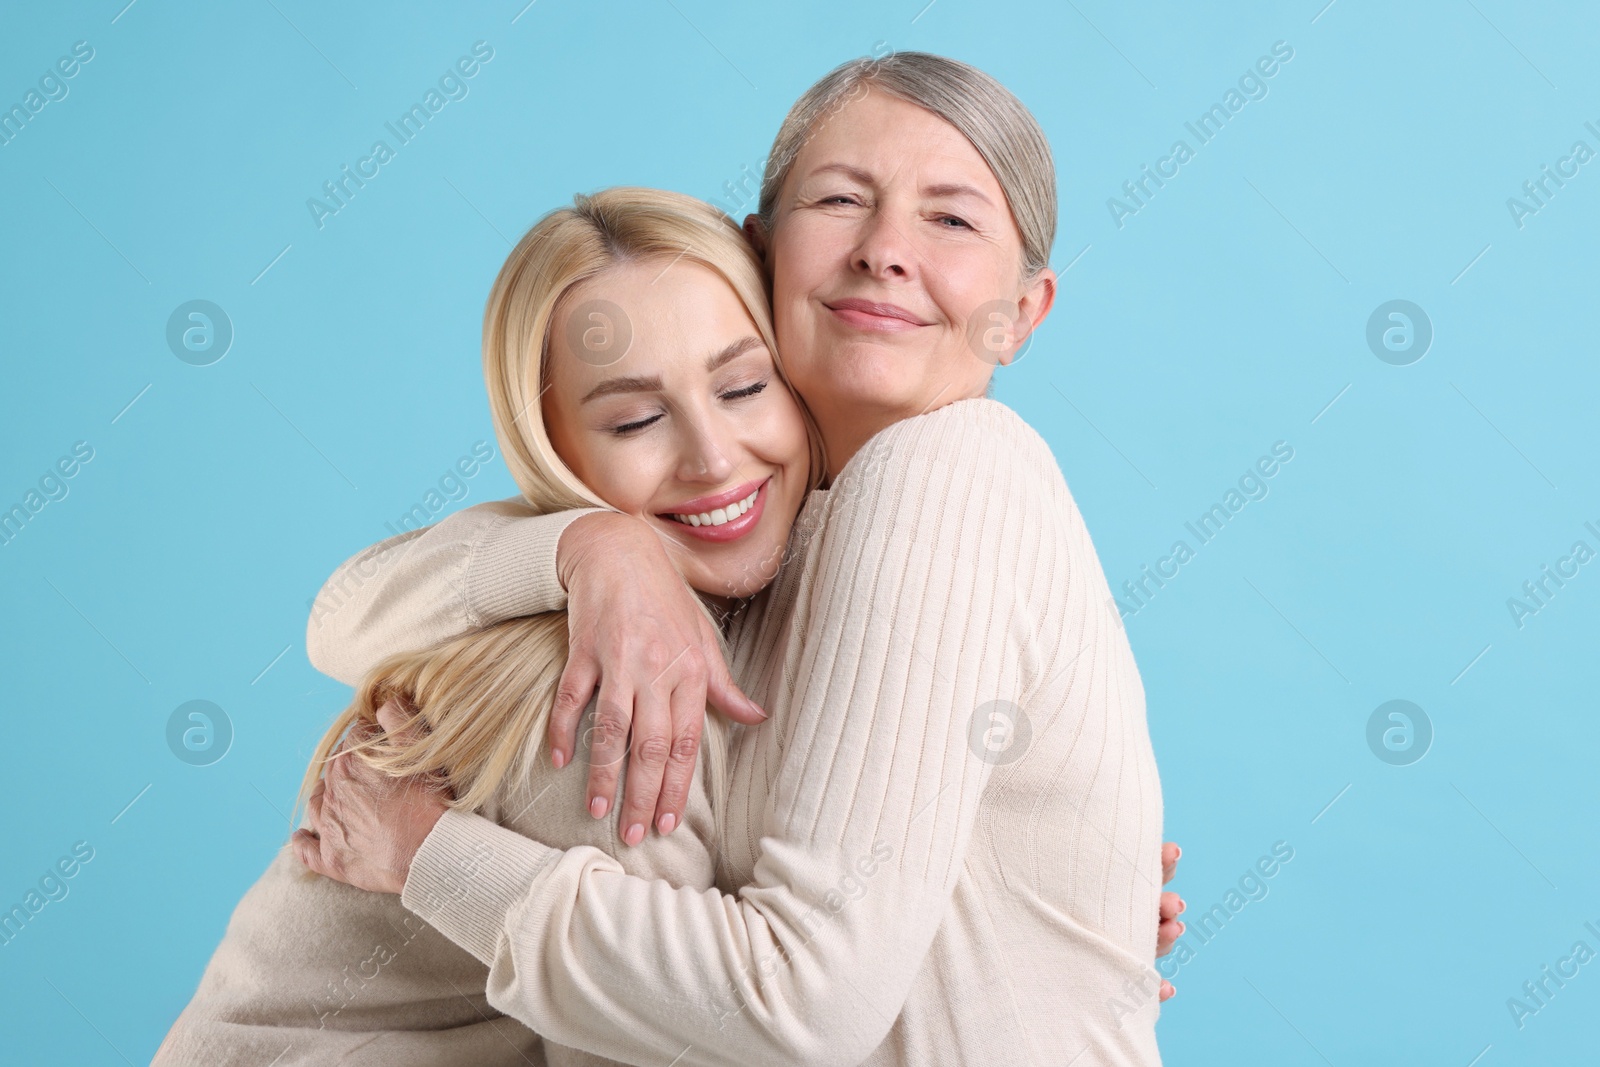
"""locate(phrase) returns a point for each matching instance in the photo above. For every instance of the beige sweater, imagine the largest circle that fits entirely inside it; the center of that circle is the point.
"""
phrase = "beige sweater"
(944, 847)
(312, 971)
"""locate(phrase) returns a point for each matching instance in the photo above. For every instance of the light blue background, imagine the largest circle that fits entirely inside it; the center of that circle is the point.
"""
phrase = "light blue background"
(1223, 317)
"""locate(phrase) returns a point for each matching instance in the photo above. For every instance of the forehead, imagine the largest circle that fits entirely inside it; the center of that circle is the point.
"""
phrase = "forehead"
(657, 311)
(886, 134)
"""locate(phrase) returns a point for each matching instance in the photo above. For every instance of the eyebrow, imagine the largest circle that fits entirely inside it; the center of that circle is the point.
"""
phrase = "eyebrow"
(652, 383)
(941, 189)
(733, 351)
(956, 189)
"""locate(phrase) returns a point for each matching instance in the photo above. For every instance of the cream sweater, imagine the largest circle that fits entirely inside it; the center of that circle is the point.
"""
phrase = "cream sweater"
(313, 972)
(942, 849)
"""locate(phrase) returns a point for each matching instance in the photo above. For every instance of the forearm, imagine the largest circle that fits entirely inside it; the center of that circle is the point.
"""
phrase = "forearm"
(789, 971)
(480, 566)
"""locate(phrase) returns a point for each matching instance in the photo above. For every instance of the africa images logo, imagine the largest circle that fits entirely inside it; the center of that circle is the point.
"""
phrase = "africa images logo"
(452, 86)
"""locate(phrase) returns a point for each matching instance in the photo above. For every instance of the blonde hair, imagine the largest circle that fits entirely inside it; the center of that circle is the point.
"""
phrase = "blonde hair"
(1000, 127)
(484, 698)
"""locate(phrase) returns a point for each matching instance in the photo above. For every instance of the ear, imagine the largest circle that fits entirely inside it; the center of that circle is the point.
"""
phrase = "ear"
(1035, 302)
(755, 231)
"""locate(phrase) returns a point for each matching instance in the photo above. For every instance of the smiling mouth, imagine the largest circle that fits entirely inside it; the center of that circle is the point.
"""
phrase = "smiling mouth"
(729, 522)
(872, 315)
(718, 516)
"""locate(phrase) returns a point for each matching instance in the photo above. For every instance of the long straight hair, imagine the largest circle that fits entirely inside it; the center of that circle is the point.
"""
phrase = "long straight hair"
(483, 699)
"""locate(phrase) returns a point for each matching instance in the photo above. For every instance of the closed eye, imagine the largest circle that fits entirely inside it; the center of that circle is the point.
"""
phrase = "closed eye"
(747, 391)
(634, 427)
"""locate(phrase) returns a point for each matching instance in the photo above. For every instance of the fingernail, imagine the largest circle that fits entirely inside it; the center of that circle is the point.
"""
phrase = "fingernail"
(558, 757)
(758, 709)
(1182, 926)
(597, 807)
(667, 822)
(634, 834)
(1183, 906)
(1179, 855)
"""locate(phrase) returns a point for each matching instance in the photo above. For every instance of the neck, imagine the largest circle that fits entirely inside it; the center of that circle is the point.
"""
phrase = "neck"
(844, 432)
(845, 441)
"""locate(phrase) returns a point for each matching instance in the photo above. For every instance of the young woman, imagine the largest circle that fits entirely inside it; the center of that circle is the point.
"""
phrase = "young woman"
(944, 847)
(312, 971)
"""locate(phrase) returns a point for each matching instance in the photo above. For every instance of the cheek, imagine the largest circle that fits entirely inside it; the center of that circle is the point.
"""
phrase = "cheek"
(623, 473)
(801, 364)
(789, 291)
(810, 253)
(960, 282)
(796, 452)
(777, 435)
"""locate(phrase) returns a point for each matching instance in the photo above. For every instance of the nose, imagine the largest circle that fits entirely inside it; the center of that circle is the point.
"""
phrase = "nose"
(706, 449)
(884, 251)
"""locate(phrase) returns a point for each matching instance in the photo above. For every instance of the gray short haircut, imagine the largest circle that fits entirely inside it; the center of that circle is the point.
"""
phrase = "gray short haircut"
(1000, 127)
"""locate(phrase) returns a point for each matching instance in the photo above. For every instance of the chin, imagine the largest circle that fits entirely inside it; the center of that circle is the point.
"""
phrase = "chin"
(759, 569)
(739, 575)
(866, 374)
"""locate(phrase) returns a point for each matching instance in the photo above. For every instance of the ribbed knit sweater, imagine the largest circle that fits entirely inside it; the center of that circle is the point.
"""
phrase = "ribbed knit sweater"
(943, 848)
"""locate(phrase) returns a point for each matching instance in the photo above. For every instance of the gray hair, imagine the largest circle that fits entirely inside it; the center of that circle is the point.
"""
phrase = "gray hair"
(1000, 127)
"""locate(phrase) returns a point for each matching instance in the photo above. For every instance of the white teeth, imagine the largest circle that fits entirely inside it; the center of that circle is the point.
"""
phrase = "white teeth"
(720, 515)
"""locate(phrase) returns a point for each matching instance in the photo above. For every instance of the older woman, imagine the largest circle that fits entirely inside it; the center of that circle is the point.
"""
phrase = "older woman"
(944, 846)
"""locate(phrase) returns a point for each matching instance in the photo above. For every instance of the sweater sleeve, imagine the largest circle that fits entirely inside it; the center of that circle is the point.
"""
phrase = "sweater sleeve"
(482, 565)
(914, 625)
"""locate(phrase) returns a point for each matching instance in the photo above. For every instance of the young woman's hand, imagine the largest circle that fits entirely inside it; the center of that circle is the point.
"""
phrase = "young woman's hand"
(636, 633)
(1171, 927)
(364, 828)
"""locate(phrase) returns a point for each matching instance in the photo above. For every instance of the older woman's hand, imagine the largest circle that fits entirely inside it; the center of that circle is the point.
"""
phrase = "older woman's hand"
(636, 634)
(1170, 927)
(364, 828)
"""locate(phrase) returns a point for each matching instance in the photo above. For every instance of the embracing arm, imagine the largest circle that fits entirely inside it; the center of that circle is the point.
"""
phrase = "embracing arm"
(482, 565)
(916, 616)
(636, 635)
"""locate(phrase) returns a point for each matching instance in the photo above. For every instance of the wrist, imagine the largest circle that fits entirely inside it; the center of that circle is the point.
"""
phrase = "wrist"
(603, 535)
(420, 828)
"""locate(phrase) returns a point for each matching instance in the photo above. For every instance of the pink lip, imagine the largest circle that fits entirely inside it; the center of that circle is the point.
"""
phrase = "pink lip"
(874, 315)
(714, 501)
(728, 531)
